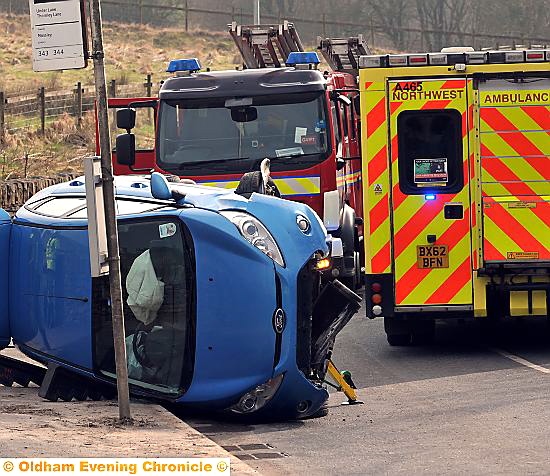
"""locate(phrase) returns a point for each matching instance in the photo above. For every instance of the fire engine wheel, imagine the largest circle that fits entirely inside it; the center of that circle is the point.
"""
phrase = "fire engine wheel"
(356, 281)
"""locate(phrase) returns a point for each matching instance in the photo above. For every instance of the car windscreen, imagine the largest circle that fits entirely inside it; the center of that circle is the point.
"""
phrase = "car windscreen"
(233, 135)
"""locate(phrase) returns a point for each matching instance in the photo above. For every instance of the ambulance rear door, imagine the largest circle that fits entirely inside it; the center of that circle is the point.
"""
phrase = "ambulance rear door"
(430, 205)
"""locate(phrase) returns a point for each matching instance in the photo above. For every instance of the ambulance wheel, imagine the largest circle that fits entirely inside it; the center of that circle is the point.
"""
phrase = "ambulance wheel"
(423, 333)
(398, 339)
(397, 331)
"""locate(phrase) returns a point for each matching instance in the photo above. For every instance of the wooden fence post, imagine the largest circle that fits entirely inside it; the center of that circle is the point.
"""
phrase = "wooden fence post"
(149, 85)
(78, 104)
(42, 109)
(186, 15)
(26, 163)
(112, 88)
(2, 118)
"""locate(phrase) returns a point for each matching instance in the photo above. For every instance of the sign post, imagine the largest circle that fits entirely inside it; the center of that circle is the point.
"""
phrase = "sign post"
(60, 42)
(58, 34)
(107, 180)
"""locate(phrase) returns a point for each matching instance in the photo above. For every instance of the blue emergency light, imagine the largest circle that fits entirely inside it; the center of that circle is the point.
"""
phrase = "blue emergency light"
(178, 65)
(302, 57)
(430, 196)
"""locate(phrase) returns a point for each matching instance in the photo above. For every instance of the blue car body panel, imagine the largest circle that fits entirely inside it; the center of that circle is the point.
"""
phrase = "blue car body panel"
(5, 228)
(238, 290)
(228, 358)
(50, 292)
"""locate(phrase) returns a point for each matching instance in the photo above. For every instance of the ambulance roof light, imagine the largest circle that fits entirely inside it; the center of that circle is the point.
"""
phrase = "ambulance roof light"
(397, 60)
(190, 65)
(438, 59)
(302, 57)
(371, 61)
(452, 59)
(476, 57)
(457, 49)
(535, 55)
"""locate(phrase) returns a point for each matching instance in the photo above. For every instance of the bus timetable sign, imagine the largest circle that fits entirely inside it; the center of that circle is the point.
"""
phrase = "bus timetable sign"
(58, 34)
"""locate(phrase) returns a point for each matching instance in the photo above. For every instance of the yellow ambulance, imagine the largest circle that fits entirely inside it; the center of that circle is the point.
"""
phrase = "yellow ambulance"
(456, 183)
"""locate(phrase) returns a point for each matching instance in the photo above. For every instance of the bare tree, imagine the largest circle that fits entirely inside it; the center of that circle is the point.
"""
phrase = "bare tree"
(443, 21)
(393, 16)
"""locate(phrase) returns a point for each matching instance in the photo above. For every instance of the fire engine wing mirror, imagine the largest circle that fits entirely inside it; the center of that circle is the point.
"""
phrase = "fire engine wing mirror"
(126, 149)
(244, 114)
(340, 163)
(126, 119)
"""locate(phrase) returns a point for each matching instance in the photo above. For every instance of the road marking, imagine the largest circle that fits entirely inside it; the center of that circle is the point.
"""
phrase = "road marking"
(521, 361)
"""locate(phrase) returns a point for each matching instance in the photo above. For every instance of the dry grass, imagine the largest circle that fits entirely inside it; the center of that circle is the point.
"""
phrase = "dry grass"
(132, 51)
(60, 150)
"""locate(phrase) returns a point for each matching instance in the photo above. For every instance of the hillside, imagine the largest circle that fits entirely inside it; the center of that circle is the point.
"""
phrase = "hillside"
(132, 51)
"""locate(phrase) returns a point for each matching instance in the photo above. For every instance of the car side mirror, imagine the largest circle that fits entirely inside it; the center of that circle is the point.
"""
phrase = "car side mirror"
(126, 149)
(126, 119)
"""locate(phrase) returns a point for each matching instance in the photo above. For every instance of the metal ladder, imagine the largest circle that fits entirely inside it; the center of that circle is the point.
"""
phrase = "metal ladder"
(265, 46)
(342, 54)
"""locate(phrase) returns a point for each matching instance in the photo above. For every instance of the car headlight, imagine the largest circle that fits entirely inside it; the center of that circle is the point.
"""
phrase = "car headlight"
(255, 233)
(255, 399)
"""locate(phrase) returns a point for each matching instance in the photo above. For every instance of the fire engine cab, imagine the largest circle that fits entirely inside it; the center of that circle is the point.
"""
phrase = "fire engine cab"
(456, 164)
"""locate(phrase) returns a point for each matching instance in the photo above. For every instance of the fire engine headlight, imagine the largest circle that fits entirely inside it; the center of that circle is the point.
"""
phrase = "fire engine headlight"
(256, 234)
(256, 399)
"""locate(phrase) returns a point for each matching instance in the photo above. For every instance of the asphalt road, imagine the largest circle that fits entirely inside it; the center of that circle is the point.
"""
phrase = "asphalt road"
(467, 404)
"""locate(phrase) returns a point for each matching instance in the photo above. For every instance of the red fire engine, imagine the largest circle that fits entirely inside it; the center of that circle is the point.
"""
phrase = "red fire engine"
(213, 127)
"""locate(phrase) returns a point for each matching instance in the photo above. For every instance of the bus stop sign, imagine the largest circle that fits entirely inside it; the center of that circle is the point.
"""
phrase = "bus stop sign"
(58, 34)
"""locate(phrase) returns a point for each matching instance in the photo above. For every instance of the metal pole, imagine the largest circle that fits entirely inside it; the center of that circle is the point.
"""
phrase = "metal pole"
(110, 212)
(256, 12)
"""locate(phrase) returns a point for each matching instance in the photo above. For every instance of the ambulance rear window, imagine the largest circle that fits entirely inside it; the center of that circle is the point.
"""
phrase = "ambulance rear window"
(430, 154)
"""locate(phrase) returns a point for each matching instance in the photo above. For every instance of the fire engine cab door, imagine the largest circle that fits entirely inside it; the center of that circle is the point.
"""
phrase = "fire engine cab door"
(430, 199)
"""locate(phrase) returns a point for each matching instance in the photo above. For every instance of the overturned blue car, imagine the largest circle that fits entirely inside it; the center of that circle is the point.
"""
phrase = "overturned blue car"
(224, 300)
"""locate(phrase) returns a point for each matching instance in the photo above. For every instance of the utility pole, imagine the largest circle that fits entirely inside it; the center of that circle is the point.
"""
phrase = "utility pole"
(110, 212)
(256, 12)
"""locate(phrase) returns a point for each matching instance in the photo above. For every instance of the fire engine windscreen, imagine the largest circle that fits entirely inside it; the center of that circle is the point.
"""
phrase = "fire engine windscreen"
(237, 133)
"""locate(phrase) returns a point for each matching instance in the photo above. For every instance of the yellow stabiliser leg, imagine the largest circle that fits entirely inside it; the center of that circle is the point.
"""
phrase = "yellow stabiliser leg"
(345, 384)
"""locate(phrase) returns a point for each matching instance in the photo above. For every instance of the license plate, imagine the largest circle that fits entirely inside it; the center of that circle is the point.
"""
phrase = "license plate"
(432, 256)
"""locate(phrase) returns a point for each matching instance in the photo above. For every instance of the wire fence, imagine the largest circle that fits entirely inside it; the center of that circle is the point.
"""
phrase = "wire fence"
(34, 111)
